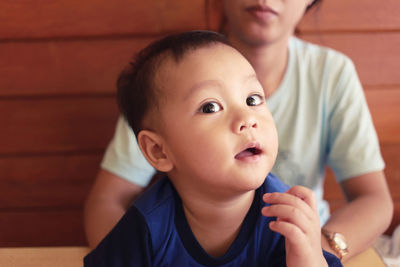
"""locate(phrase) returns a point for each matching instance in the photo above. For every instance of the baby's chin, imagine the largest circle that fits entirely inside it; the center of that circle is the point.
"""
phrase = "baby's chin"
(256, 180)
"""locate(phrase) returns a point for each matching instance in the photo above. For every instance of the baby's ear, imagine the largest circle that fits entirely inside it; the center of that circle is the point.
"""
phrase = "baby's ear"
(152, 147)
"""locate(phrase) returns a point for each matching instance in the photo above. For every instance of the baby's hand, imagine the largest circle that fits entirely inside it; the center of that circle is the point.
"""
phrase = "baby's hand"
(298, 221)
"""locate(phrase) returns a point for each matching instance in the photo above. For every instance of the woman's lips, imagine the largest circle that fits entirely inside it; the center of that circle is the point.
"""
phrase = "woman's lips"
(263, 13)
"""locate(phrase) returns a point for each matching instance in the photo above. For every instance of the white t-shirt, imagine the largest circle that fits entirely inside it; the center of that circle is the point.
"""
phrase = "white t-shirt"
(321, 116)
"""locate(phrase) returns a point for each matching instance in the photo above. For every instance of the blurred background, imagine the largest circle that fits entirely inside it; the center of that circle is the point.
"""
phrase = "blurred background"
(59, 60)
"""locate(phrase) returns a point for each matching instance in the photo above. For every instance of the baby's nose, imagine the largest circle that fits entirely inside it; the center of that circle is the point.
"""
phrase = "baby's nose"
(244, 122)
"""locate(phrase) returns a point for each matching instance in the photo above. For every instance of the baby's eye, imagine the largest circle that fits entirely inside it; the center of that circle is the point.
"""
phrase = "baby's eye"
(210, 107)
(254, 100)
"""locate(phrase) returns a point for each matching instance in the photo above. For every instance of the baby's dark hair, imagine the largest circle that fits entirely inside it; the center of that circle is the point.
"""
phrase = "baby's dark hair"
(313, 4)
(137, 89)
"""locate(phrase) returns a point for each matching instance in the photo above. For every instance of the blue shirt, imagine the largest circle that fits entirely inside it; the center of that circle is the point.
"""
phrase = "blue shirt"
(155, 232)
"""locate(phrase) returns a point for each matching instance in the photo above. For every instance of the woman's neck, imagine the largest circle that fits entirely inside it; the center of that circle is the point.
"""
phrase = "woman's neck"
(269, 61)
(216, 224)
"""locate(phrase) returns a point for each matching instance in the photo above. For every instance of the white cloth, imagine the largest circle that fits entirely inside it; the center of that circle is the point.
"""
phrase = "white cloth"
(388, 247)
(124, 158)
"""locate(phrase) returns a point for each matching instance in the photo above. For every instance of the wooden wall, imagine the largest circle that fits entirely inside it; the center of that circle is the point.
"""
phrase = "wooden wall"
(58, 65)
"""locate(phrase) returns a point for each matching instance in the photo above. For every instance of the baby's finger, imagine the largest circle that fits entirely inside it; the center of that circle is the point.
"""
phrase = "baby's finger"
(293, 234)
(304, 193)
(290, 200)
(291, 215)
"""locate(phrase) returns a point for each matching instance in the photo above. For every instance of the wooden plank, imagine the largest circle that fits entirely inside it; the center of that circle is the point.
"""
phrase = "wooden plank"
(338, 15)
(91, 67)
(47, 181)
(42, 228)
(64, 181)
(63, 227)
(391, 156)
(332, 190)
(48, 125)
(375, 54)
(351, 15)
(52, 125)
(65, 18)
(43, 256)
(25, 19)
(72, 257)
(64, 67)
(384, 105)
(396, 218)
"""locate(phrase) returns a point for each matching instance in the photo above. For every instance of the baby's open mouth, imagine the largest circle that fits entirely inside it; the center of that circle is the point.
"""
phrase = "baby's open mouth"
(249, 152)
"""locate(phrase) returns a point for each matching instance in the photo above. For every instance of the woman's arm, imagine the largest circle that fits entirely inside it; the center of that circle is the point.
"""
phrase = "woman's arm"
(108, 200)
(366, 215)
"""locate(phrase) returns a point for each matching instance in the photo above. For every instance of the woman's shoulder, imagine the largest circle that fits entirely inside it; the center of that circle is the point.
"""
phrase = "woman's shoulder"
(316, 54)
(320, 65)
